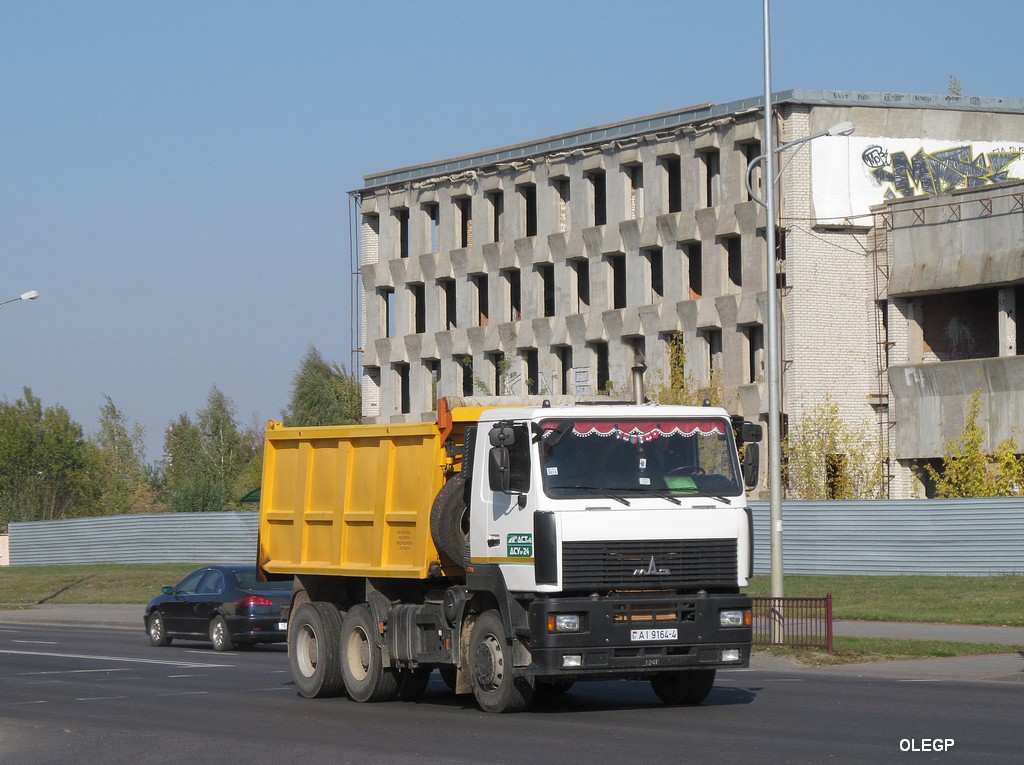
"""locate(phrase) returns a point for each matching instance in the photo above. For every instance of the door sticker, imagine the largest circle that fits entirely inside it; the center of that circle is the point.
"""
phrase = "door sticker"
(520, 546)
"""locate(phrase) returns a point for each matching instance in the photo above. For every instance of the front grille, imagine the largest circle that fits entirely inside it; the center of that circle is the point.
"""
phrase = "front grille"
(649, 564)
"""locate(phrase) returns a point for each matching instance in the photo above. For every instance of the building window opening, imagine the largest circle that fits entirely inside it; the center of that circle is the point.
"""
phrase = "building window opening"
(581, 267)
(673, 183)
(465, 208)
(532, 372)
(598, 191)
(618, 269)
(513, 281)
(419, 312)
(404, 399)
(565, 371)
(695, 268)
(734, 258)
(562, 191)
(433, 211)
(496, 200)
(433, 367)
(528, 194)
(710, 175)
(603, 377)
(712, 351)
(751, 150)
(387, 304)
(479, 282)
(754, 334)
(402, 222)
(656, 264)
(635, 174)
(547, 288)
(466, 364)
(960, 325)
(448, 303)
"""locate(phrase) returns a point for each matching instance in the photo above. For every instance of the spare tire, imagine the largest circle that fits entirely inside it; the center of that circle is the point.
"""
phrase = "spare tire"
(449, 520)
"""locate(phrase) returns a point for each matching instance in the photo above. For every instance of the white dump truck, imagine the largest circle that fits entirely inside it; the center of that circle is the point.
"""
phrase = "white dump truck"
(516, 549)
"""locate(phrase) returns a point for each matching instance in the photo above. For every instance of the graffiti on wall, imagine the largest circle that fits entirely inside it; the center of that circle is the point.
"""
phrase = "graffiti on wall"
(937, 172)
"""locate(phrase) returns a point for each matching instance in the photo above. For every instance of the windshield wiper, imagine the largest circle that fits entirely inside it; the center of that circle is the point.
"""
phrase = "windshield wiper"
(662, 494)
(600, 492)
(695, 492)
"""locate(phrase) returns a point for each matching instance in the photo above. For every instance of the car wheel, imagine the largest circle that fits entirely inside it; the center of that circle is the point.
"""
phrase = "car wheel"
(496, 686)
(362, 662)
(687, 687)
(158, 630)
(219, 635)
(314, 649)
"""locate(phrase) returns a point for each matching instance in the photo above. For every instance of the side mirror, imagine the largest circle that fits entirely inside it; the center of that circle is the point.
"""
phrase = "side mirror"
(499, 472)
(502, 434)
(750, 432)
(751, 464)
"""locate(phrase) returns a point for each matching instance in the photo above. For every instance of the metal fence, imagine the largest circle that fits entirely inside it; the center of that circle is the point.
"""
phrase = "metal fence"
(794, 622)
(226, 537)
(964, 537)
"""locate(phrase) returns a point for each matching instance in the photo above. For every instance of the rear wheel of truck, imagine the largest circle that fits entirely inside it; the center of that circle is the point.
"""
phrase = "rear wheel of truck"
(314, 650)
(496, 686)
(449, 519)
(690, 687)
(366, 677)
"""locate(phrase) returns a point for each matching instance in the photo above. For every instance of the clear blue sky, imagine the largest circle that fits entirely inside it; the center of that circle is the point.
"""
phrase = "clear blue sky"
(174, 175)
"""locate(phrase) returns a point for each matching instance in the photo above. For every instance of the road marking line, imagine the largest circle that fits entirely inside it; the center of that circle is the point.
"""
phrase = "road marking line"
(186, 664)
(70, 671)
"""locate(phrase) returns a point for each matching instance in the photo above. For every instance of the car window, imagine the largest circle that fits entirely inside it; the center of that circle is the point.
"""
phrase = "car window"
(190, 584)
(245, 579)
(213, 582)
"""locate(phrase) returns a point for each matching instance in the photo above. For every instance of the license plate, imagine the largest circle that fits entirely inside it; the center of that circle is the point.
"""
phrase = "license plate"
(639, 635)
(283, 626)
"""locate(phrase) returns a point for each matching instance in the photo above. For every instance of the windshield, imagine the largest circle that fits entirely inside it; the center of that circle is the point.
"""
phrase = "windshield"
(675, 456)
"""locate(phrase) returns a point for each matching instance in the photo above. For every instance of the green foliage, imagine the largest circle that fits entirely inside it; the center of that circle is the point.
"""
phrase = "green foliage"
(323, 393)
(830, 458)
(206, 458)
(968, 471)
(48, 470)
(683, 387)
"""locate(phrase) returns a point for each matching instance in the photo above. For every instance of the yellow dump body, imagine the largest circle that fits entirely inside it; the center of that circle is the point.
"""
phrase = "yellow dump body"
(351, 500)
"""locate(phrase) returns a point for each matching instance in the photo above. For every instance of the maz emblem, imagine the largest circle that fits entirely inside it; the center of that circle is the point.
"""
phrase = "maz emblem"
(651, 570)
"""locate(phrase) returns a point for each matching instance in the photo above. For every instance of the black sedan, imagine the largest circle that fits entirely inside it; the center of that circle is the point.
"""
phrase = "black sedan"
(225, 605)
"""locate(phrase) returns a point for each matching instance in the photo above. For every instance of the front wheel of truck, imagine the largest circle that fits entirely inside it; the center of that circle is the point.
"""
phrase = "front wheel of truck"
(314, 650)
(366, 677)
(496, 686)
(687, 688)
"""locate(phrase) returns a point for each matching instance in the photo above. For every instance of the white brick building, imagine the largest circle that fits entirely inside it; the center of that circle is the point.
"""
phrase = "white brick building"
(544, 267)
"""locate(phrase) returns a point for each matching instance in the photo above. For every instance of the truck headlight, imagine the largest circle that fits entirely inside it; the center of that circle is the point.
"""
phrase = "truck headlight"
(734, 618)
(563, 622)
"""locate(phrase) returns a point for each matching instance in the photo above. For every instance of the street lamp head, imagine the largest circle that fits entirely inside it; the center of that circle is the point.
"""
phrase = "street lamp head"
(842, 128)
(30, 295)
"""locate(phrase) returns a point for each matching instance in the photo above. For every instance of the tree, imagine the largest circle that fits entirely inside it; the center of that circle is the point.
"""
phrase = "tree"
(47, 469)
(323, 393)
(968, 471)
(204, 459)
(121, 451)
(829, 458)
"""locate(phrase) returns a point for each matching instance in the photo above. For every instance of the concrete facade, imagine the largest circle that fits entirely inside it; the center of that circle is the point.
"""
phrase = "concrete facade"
(545, 267)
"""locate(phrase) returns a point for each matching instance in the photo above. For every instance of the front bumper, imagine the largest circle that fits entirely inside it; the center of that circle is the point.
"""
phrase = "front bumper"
(637, 635)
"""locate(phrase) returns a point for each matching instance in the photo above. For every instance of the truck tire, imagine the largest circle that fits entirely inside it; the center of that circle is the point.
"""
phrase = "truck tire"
(314, 650)
(687, 687)
(449, 520)
(362, 662)
(496, 686)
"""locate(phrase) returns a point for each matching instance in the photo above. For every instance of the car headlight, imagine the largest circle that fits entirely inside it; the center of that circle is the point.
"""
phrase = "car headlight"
(563, 622)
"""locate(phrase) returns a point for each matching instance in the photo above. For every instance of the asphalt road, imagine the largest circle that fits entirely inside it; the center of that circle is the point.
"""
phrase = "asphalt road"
(86, 695)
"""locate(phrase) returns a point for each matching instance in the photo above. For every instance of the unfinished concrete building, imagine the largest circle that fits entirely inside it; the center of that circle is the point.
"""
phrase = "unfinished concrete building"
(545, 267)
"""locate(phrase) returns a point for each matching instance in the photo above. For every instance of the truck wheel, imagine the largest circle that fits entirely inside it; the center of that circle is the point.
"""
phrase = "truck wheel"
(366, 677)
(687, 687)
(495, 685)
(449, 519)
(314, 650)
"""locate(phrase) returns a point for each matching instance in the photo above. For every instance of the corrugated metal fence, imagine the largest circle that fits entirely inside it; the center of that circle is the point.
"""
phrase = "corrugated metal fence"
(938, 537)
(228, 537)
(967, 537)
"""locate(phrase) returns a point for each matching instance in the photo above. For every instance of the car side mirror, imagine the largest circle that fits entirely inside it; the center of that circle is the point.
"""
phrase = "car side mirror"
(751, 464)
(499, 469)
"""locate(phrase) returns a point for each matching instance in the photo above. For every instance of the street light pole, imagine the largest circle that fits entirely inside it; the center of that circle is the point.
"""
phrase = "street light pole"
(773, 340)
(30, 295)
